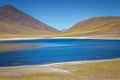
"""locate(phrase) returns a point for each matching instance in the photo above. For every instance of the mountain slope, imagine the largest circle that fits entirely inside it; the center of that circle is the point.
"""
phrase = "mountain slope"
(95, 27)
(14, 21)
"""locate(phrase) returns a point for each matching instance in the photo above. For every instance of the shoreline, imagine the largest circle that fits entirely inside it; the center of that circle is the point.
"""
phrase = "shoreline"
(65, 63)
(19, 71)
(36, 38)
(22, 38)
(15, 47)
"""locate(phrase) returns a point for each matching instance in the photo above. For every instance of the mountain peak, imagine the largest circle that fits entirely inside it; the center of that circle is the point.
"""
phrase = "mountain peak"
(7, 6)
(14, 21)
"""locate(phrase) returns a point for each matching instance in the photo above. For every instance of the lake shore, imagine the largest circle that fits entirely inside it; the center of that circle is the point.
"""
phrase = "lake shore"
(75, 70)
(36, 38)
(46, 68)
(12, 47)
(22, 38)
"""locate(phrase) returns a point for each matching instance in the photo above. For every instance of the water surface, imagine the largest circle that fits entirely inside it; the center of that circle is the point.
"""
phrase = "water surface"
(60, 50)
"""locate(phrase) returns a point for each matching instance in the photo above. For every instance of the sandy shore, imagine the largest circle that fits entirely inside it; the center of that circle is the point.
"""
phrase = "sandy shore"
(12, 47)
(47, 68)
(21, 38)
(87, 38)
(35, 38)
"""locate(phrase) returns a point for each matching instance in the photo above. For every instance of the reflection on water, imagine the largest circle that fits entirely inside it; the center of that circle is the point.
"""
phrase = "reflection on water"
(54, 45)
(60, 50)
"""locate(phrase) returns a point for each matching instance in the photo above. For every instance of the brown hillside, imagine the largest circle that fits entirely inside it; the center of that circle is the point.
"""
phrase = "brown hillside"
(96, 27)
(14, 21)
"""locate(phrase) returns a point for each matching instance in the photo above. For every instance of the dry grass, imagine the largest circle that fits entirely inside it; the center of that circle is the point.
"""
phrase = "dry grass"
(90, 71)
(101, 26)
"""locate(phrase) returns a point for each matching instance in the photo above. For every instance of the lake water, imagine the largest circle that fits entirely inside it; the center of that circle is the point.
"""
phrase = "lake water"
(60, 50)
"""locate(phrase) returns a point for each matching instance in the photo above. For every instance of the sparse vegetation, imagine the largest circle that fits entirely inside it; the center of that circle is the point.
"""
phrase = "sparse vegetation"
(19, 24)
(109, 70)
(100, 26)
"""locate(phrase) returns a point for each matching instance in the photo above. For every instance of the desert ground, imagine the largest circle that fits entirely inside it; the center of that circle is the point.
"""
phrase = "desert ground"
(79, 70)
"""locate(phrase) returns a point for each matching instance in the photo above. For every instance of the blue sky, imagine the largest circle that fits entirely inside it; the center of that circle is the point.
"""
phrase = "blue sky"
(62, 14)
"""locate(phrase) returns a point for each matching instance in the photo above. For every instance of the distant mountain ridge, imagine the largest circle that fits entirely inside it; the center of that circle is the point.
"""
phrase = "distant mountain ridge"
(14, 21)
(108, 26)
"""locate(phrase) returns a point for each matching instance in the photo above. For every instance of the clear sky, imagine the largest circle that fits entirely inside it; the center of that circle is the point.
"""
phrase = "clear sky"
(62, 14)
